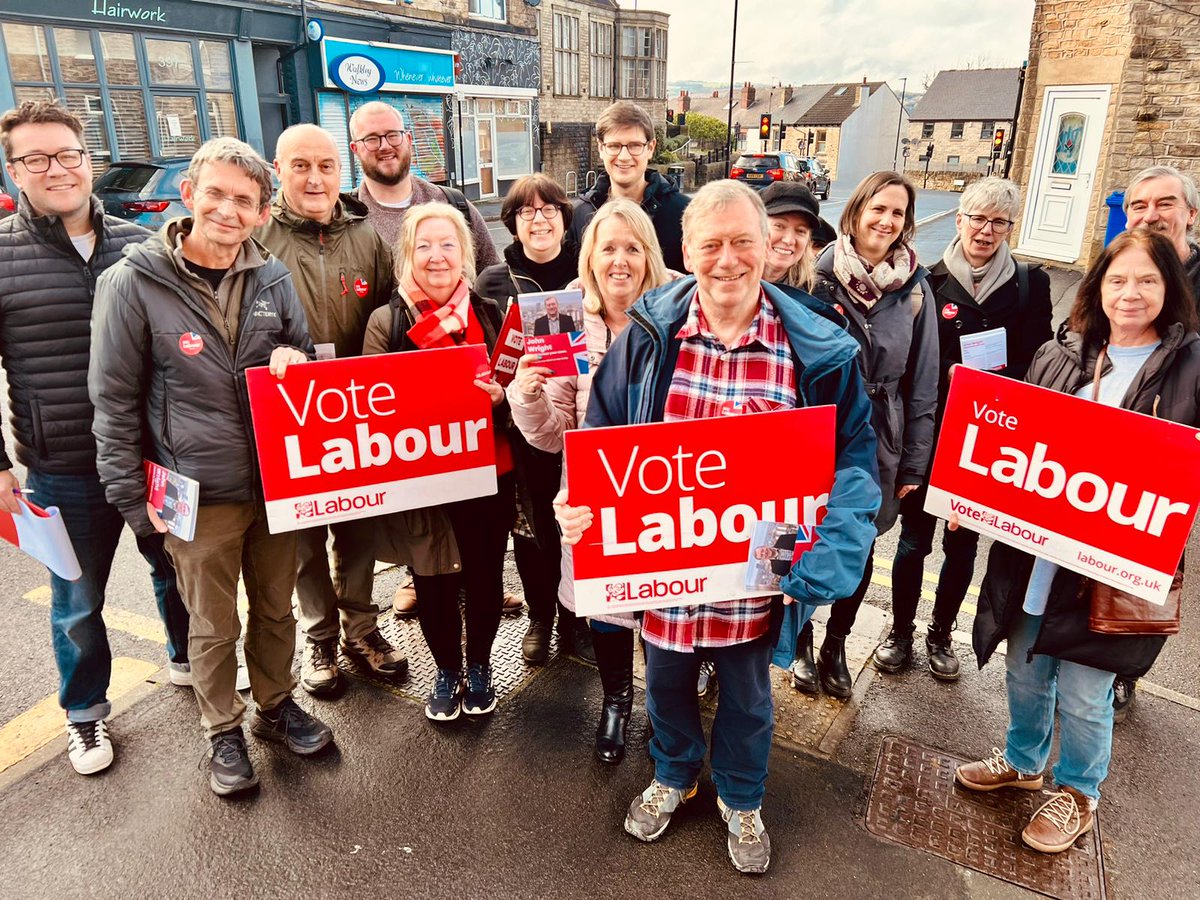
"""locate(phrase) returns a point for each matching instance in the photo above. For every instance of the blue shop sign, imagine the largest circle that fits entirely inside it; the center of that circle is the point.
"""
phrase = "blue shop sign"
(366, 68)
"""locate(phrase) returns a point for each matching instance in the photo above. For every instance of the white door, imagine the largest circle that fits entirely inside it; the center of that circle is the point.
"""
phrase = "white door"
(1062, 181)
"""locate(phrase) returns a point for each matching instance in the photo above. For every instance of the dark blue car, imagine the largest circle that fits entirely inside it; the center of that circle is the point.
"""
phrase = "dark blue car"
(146, 192)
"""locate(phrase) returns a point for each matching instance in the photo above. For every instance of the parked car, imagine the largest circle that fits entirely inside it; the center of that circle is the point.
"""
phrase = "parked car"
(817, 176)
(8, 205)
(760, 169)
(143, 191)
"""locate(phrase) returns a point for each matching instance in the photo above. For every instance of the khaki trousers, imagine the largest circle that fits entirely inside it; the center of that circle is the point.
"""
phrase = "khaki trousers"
(327, 600)
(232, 538)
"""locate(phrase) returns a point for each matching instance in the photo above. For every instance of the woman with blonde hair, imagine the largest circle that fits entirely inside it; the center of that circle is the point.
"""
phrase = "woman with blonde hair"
(619, 260)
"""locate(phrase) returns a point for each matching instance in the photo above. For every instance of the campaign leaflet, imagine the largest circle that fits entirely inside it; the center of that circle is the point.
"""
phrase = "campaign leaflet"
(774, 549)
(174, 497)
(42, 534)
(675, 504)
(510, 345)
(1105, 492)
(553, 325)
(370, 435)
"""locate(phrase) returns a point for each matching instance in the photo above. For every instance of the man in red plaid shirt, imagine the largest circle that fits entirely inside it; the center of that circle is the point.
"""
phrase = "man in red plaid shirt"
(695, 347)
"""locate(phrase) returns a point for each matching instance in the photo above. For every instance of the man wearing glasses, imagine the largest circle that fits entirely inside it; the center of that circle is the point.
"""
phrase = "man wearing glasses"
(625, 139)
(1165, 200)
(389, 188)
(178, 322)
(51, 253)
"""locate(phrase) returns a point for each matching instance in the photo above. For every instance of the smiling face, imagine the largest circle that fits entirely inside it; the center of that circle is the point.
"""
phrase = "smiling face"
(626, 171)
(309, 172)
(541, 237)
(57, 191)
(226, 206)
(881, 223)
(1132, 295)
(1159, 204)
(387, 164)
(726, 251)
(787, 241)
(618, 264)
(437, 259)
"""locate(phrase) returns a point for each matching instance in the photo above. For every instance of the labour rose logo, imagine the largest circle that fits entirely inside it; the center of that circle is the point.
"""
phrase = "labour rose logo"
(616, 591)
(949, 311)
(360, 288)
(190, 343)
(306, 509)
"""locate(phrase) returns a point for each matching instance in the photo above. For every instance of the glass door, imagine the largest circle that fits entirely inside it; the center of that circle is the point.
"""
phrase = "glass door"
(485, 142)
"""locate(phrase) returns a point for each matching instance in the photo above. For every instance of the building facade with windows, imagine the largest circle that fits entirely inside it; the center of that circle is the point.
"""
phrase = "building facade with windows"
(960, 115)
(594, 52)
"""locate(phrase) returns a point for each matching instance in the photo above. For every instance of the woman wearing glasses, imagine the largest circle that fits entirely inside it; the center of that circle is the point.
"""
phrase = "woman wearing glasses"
(978, 289)
(537, 213)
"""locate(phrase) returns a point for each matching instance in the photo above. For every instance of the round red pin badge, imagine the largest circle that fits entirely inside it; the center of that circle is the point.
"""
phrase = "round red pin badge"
(191, 343)
(949, 311)
(360, 288)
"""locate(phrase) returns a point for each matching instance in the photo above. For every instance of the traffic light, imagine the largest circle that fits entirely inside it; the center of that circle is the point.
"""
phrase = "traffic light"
(764, 127)
(998, 143)
(671, 115)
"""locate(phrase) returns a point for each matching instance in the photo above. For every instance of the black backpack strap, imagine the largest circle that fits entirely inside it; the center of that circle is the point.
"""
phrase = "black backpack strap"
(458, 200)
(1022, 283)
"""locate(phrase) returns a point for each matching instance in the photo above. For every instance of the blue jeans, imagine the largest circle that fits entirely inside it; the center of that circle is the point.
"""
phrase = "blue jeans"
(1084, 697)
(741, 732)
(76, 622)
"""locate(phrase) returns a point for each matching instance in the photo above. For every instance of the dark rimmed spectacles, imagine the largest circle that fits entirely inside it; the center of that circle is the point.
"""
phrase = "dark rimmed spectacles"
(373, 141)
(999, 226)
(37, 163)
(549, 211)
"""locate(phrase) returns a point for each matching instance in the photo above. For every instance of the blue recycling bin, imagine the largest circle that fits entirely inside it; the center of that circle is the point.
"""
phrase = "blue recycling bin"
(1116, 216)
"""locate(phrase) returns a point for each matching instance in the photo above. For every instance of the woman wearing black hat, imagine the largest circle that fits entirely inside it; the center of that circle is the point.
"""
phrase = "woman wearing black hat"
(794, 214)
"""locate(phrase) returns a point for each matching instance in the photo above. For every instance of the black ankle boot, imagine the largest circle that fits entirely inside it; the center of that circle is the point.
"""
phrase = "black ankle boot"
(804, 669)
(895, 653)
(614, 659)
(943, 664)
(831, 666)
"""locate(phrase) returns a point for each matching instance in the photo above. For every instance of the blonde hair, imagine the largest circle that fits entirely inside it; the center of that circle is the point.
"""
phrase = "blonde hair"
(406, 240)
(643, 229)
(803, 272)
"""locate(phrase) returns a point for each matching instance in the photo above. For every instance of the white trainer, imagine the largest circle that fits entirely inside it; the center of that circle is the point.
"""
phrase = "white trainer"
(89, 747)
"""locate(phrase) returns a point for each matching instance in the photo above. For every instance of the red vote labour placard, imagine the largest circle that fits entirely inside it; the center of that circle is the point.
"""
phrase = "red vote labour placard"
(351, 438)
(675, 504)
(1105, 492)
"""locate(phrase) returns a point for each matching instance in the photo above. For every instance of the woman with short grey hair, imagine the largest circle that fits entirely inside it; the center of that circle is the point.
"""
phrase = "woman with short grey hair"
(982, 292)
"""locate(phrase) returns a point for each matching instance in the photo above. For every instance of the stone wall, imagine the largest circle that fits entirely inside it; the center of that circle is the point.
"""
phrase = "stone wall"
(941, 179)
(568, 148)
(968, 148)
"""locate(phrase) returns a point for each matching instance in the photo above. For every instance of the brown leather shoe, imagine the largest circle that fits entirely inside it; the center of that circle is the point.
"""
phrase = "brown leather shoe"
(404, 604)
(994, 773)
(1059, 822)
(513, 603)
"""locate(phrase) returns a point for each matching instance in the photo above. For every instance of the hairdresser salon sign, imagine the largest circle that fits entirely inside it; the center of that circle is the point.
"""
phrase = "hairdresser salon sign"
(1105, 492)
(351, 438)
(675, 504)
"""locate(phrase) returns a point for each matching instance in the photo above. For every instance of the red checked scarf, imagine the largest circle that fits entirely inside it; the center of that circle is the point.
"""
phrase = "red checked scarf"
(447, 325)
(868, 286)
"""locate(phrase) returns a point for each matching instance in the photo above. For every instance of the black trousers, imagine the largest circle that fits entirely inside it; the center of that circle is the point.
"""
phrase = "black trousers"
(481, 527)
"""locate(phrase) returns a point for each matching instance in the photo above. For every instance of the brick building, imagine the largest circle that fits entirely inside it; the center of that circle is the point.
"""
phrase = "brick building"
(594, 52)
(960, 115)
(1112, 86)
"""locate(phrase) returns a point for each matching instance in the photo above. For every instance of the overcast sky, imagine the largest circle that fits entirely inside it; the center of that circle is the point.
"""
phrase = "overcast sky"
(841, 40)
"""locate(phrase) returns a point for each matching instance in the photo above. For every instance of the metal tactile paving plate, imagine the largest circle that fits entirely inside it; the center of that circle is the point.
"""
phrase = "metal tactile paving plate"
(509, 671)
(914, 802)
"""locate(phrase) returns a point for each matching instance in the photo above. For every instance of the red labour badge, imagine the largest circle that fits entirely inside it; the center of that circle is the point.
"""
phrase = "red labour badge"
(191, 343)
(361, 288)
(950, 311)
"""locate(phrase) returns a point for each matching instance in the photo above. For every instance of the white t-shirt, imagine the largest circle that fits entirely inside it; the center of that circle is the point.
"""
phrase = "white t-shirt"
(403, 204)
(85, 244)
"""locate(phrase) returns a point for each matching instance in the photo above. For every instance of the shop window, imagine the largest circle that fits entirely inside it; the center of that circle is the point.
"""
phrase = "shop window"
(566, 54)
(468, 153)
(28, 55)
(601, 59)
(120, 60)
(986, 130)
(76, 61)
(89, 106)
(215, 66)
(514, 147)
(34, 93)
(129, 122)
(170, 62)
(956, 131)
(177, 124)
(926, 130)
(222, 115)
(488, 9)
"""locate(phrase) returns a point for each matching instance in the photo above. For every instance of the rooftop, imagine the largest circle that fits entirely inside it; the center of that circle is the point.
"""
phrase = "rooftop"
(969, 94)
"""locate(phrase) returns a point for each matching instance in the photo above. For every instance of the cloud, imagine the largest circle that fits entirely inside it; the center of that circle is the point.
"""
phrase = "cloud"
(841, 40)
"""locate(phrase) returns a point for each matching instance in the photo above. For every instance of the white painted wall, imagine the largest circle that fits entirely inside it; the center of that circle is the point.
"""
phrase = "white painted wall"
(868, 142)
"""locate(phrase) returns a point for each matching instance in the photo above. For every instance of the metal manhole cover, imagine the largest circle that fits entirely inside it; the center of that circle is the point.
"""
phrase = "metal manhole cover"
(914, 802)
(509, 671)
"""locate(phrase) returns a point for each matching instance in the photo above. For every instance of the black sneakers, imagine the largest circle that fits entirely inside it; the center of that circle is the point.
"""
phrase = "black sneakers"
(479, 698)
(288, 724)
(230, 770)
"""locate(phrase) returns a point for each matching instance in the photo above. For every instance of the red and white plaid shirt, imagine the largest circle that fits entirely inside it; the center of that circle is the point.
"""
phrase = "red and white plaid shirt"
(709, 378)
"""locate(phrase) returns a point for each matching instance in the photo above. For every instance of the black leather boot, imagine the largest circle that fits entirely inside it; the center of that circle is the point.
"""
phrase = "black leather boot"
(943, 664)
(804, 669)
(831, 666)
(895, 653)
(614, 659)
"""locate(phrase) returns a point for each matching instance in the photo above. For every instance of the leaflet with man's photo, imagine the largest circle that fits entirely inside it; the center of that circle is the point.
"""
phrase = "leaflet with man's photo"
(774, 549)
(174, 497)
(553, 327)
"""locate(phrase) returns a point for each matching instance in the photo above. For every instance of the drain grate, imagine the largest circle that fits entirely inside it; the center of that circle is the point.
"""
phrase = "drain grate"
(509, 671)
(914, 802)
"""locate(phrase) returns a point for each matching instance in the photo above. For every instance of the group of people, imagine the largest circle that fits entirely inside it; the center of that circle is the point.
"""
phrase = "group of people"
(122, 345)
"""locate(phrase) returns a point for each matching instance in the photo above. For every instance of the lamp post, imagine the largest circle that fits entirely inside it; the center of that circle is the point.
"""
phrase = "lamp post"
(900, 123)
(729, 119)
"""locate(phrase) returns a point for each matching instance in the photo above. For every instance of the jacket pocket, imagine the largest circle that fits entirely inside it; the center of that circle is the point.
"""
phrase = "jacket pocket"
(35, 424)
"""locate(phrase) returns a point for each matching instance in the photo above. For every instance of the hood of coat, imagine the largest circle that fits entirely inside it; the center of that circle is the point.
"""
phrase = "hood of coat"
(1080, 353)
(657, 189)
(156, 255)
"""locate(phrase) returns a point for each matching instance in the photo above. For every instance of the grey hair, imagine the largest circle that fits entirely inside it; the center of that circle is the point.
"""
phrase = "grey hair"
(235, 153)
(715, 196)
(1191, 196)
(991, 193)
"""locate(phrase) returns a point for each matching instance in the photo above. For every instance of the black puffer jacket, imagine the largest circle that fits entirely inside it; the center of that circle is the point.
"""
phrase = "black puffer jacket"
(663, 203)
(46, 293)
(1167, 386)
(193, 406)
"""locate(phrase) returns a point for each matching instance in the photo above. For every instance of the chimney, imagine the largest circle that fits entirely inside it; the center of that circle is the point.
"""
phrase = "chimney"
(747, 95)
(716, 95)
(787, 95)
(861, 92)
(685, 101)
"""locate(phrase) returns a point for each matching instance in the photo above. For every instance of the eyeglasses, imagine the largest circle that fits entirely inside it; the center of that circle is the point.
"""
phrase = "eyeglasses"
(373, 141)
(635, 148)
(40, 162)
(244, 204)
(999, 226)
(528, 212)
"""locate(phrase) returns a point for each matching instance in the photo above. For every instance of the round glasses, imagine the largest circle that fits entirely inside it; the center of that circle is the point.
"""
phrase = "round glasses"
(373, 141)
(635, 148)
(40, 162)
(528, 212)
(999, 226)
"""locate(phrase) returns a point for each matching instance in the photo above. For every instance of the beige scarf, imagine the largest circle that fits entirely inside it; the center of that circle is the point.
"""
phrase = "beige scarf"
(997, 272)
(865, 285)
